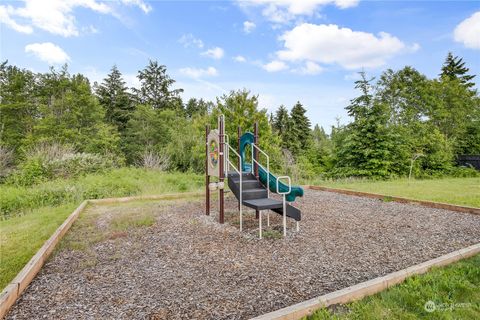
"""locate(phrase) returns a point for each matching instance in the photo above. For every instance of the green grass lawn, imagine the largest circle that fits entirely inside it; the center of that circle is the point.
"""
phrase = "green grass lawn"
(36, 212)
(22, 236)
(454, 290)
(460, 191)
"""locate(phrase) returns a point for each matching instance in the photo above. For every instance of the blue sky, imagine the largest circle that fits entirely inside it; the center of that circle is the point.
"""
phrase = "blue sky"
(282, 50)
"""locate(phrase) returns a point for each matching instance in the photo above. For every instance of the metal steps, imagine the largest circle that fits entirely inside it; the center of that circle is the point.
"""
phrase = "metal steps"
(255, 195)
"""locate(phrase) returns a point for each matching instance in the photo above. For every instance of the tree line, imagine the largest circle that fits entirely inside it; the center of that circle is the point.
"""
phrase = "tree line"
(400, 117)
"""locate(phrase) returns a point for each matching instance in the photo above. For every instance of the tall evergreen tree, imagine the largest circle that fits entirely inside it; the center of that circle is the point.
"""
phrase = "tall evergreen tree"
(70, 114)
(366, 149)
(113, 95)
(156, 88)
(197, 107)
(454, 68)
(18, 106)
(319, 136)
(300, 126)
(358, 107)
(281, 121)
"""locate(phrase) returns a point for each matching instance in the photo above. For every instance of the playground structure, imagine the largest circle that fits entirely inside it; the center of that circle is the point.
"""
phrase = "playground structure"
(251, 183)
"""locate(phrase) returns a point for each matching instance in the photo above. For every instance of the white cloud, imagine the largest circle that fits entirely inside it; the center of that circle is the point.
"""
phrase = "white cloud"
(275, 66)
(188, 40)
(239, 59)
(282, 11)
(48, 52)
(330, 44)
(468, 31)
(354, 76)
(196, 73)
(310, 68)
(214, 53)
(248, 26)
(56, 16)
(5, 12)
(145, 7)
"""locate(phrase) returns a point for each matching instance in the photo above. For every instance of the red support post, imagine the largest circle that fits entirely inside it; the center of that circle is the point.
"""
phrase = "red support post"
(207, 177)
(255, 156)
(221, 160)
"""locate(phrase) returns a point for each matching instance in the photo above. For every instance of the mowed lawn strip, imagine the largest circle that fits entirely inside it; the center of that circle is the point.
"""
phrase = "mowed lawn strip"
(450, 292)
(459, 191)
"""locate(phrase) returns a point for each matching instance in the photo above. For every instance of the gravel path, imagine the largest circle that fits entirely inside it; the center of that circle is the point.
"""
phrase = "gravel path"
(187, 266)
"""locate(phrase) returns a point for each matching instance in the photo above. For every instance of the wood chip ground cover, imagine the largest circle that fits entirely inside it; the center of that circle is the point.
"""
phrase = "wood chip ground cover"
(166, 260)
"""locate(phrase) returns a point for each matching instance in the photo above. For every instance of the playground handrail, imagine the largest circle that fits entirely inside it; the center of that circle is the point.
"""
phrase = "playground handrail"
(267, 170)
(227, 154)
(239, 171)
(284, 202)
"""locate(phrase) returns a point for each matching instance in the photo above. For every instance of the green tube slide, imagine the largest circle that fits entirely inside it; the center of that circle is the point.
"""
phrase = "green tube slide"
(296, 191)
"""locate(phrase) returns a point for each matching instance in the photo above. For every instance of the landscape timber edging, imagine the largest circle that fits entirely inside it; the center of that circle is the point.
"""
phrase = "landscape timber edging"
(367, 288)
(15, 288)
(431, 204)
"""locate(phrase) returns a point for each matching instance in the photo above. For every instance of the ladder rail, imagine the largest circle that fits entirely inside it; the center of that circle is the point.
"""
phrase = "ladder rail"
(284, 202)
(239, 171)
(267, 169)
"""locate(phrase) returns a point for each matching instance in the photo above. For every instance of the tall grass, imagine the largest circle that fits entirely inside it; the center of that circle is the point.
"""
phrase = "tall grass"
(18, 200)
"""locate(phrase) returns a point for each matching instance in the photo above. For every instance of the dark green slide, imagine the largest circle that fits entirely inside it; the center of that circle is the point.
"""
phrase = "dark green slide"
(296, 191)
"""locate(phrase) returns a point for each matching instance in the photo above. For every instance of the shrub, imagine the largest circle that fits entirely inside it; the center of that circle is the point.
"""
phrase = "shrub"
(76, 164)
(6, 162)
(52, 161)
(153, 160)
(464, 172)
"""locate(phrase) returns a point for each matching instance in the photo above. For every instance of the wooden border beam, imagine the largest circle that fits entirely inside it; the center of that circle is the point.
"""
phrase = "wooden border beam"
(425, 203)
(367, 288)
(16, 287)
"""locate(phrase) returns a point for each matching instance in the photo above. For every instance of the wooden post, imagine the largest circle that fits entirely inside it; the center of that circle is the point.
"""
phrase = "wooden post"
(221, 160)
(207, 177)
(255, 156)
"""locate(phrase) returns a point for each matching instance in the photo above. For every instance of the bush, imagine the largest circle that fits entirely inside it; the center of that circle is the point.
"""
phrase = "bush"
(52, 161)
(6, 162)
(154, 160)
(76, 164)
(464, 172)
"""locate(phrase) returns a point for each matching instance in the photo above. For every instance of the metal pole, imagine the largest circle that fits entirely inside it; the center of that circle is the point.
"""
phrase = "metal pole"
(207, 177)
(239, 133)
(284, 217)
(255, 155)
(260, 225)
(221, 175)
